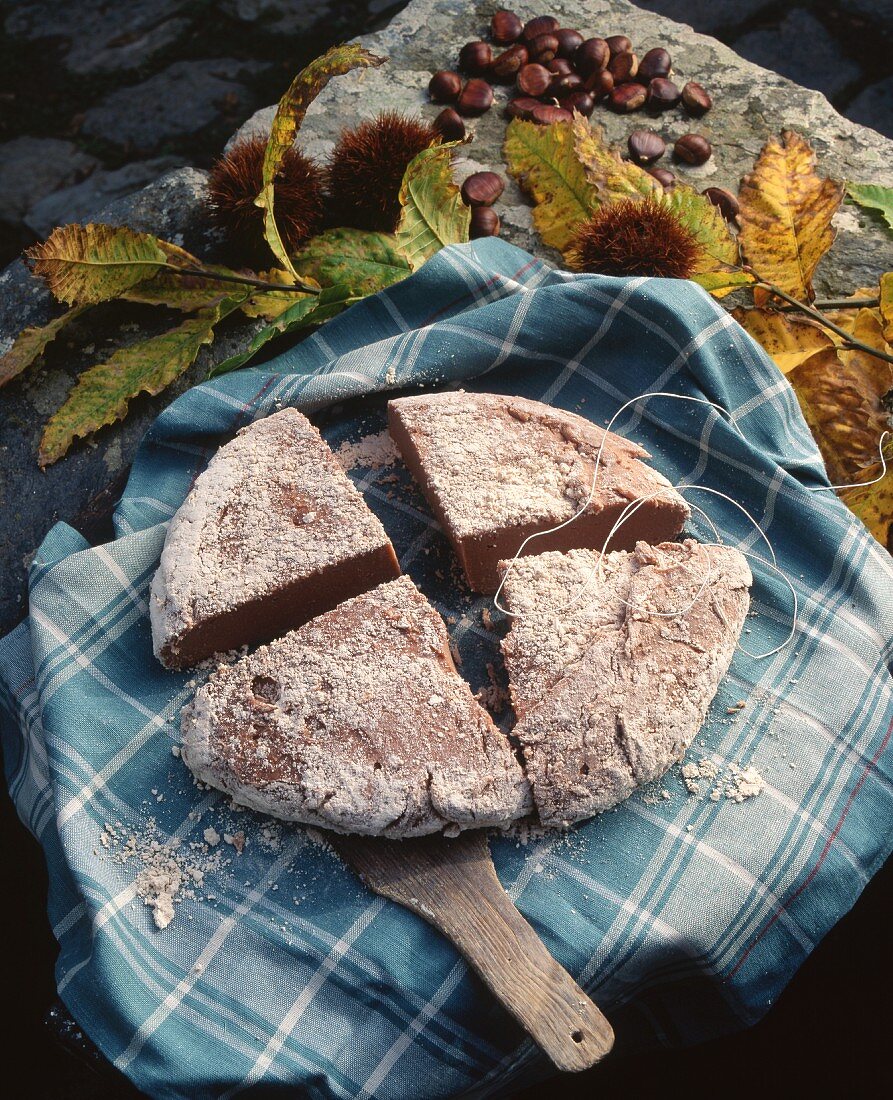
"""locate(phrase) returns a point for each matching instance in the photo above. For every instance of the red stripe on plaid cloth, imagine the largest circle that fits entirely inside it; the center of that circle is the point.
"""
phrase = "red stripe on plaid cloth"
(822, 857)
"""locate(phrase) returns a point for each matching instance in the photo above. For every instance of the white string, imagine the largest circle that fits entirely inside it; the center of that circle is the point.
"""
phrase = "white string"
(595, 472)
(632, 507)
(859, 484)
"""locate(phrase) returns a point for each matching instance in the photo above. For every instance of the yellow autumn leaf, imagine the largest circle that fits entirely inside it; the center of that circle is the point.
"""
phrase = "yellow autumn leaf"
(788, 338)
(290, 112)
(542, 160)
(612, 177)
(841, 403)
(785, 216)
(887, 305)
(85, 264)
(873, 504)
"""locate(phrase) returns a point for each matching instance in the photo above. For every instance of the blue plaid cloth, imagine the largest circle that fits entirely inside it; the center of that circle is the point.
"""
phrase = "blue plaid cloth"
(683, 917)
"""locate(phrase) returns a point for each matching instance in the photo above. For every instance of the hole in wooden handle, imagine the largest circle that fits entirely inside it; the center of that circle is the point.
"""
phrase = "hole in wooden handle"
(577, 1036)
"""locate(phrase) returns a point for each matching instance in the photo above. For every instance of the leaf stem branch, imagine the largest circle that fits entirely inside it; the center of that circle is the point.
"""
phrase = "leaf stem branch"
(247, 280)
(849, 341)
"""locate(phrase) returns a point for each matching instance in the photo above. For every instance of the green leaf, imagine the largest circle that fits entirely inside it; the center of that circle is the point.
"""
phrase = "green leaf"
(31, 342)
(873, 195)
(305, 87)
(84, 264)
(363, 260)
(309, 311)
(102, 393)
(433, 214)
(543, 161)
(717, 269)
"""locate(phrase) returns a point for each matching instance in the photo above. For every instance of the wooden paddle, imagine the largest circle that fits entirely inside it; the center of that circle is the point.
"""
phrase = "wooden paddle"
(452, 884)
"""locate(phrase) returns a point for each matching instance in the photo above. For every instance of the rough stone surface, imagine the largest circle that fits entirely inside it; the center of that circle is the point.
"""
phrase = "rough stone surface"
(803, 51)
(81, 200)
(99, 37)
(185, 97)
(751, 103)
(31, 168)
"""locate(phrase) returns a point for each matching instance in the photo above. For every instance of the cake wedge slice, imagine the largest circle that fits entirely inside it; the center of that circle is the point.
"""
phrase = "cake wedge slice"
(496, 469)
(608, 692)
(272, 533)
(357, 722)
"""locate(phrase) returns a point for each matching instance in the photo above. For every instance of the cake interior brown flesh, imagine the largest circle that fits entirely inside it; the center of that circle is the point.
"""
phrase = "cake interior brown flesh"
(271, 616)
(480, 555)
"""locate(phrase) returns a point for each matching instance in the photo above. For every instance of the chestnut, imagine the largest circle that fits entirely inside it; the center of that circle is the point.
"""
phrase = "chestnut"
(522, 107)
(645, 146)
(543, 48)
(619, 43)
(541, 24)
(476, 98)
(534, 79)
(482, 188)
(627, 97)
(599, 84)
(623, 67)
(560, 67)
(663, 176)
(484, 222)
(505, 27)
(445, 86)
(506, 65)
(545, 115)
(564, 85)
(579, 100)
(662, 94)
(591, 56)
(695, 99)
(568, 41)
(449, 125)
(724, 201)
(475, 58)
(693, 149)
(656, 62)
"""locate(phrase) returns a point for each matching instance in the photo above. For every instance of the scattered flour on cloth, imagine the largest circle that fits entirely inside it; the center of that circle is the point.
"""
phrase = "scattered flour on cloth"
(372, 451)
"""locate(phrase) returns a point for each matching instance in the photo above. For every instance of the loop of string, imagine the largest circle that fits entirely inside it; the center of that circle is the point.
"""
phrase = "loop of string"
(632, 507)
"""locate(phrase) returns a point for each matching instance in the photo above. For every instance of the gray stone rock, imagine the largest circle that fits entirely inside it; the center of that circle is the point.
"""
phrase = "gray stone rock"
(801, 49)
(101, 187)
(873, 107)
(103, 37)
(183, 99)
(32, 167)
(750, 102)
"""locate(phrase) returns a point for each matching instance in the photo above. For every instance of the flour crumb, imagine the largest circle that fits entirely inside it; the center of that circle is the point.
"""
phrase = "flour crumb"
(372, 452)
(212, 837)
(743, 783)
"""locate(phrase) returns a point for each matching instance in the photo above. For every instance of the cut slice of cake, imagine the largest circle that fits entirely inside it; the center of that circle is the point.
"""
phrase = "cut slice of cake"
(272, 533)
(608, 694)
(358, 722)
(496, 469)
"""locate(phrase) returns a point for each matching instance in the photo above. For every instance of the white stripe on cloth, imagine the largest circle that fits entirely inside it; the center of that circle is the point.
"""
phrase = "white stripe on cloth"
(176, 995)
(302, 1003)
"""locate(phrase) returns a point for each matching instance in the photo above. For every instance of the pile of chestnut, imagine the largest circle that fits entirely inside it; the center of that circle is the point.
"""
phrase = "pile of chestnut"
(555, 72)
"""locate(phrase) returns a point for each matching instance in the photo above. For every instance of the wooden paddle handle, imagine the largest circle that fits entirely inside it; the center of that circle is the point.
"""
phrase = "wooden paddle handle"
(453, 885)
